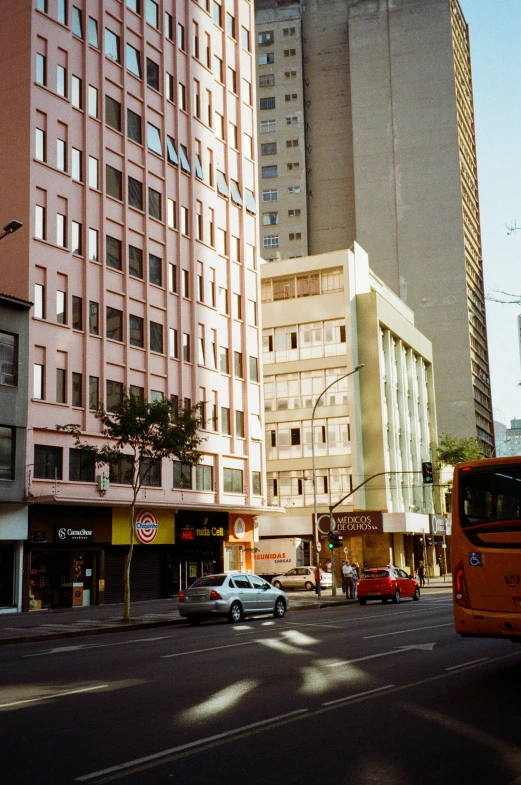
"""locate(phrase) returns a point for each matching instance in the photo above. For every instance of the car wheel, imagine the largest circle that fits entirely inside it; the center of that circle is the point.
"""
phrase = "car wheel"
(416, 595)
(396, 597)
(277, 584)
(308, 586)
(194, 621)
(362, 600)
(280, 608)
(235, 613)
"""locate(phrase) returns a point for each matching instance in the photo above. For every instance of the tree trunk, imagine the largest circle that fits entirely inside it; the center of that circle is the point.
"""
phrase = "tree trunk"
(128, 560)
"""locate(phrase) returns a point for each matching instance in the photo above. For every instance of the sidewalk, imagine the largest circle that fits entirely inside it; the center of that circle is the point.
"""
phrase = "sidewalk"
(98, 619)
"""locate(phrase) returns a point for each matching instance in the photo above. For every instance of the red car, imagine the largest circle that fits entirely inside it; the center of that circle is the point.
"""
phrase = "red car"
(386, 583)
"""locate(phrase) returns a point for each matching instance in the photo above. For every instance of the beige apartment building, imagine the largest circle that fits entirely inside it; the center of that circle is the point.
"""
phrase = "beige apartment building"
(387, 155)
(281, 133)
(322, 316)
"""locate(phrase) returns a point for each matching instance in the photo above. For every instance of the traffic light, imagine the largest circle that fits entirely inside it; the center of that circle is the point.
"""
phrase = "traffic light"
(428, 475)
(333, 541)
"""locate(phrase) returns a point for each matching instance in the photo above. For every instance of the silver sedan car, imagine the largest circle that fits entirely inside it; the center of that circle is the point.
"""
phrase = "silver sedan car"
(302, 578)
(234, 596)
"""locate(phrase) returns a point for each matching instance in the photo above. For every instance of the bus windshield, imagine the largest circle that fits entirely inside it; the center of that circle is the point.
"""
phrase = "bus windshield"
(490, 499)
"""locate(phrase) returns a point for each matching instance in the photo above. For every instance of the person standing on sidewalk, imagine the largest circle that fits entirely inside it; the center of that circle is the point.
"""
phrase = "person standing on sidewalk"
(356, 574)
(347, 572)
(317, 579)
(421, 572)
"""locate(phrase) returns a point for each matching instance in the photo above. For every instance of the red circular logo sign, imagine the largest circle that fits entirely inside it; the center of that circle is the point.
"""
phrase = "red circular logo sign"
(146, 526)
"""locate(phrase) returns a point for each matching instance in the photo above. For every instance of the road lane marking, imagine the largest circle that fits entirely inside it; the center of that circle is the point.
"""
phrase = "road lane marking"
(191, 745)
(200, 746)
(48, 697)
(464, 664)
(397, 650)
(411, 629)
(66, 649)
(358, 695)
(212, 648)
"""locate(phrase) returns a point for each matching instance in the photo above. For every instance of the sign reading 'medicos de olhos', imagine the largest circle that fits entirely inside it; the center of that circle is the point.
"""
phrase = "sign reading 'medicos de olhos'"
(359, 522)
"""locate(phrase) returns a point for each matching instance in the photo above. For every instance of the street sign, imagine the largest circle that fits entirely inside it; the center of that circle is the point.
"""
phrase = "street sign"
(345, 549)
(319, 547)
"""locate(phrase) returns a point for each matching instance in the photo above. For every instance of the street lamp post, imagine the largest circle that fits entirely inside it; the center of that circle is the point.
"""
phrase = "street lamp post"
(315, 505)
(11, 227)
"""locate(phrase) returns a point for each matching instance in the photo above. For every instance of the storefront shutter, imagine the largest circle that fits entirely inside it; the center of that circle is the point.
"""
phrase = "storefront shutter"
(145, 573)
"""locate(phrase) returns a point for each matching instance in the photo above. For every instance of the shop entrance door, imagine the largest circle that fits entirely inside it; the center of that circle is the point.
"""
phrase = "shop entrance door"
(84, 565)
(6, 574)
(187, 566)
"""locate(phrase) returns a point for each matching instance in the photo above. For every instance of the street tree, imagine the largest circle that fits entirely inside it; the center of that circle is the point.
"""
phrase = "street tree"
(145, 433)
(454, 449)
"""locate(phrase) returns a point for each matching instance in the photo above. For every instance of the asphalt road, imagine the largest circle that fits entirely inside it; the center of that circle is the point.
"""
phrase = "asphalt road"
(346, 695)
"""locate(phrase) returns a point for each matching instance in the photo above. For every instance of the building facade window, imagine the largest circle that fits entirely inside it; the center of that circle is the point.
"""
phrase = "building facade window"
(9, 358)
(182, 475)
(81, 465)
(47, 462)
(7, 452)
(233, 481)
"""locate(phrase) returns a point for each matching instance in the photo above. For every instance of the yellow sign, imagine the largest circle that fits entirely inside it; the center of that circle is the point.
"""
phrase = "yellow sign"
(165, 534)
(101, 585)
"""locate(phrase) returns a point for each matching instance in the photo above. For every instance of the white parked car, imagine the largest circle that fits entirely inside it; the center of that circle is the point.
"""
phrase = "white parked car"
(302, 578)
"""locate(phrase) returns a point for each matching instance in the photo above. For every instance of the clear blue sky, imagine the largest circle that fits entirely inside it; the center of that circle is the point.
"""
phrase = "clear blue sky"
(495, 38)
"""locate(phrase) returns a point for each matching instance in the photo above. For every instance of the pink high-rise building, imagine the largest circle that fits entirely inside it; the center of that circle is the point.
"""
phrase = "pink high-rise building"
(128, 139)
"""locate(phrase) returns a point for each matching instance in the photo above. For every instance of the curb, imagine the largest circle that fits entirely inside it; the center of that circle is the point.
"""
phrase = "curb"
(129, 626)
(49, 636)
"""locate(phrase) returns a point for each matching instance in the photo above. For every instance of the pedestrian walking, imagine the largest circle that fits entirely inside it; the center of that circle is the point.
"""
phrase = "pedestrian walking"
(421, 572)
(317, 579)
(356, 574)
(347, 572)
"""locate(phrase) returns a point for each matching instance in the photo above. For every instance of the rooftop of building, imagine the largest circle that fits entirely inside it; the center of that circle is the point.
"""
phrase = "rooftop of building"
(14, 302)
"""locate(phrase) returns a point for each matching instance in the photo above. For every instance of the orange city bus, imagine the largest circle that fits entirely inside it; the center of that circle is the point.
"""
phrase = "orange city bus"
(486, 548)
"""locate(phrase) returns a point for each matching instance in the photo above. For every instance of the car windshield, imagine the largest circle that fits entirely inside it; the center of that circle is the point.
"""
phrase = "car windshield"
(209, 580)
(375, 574)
